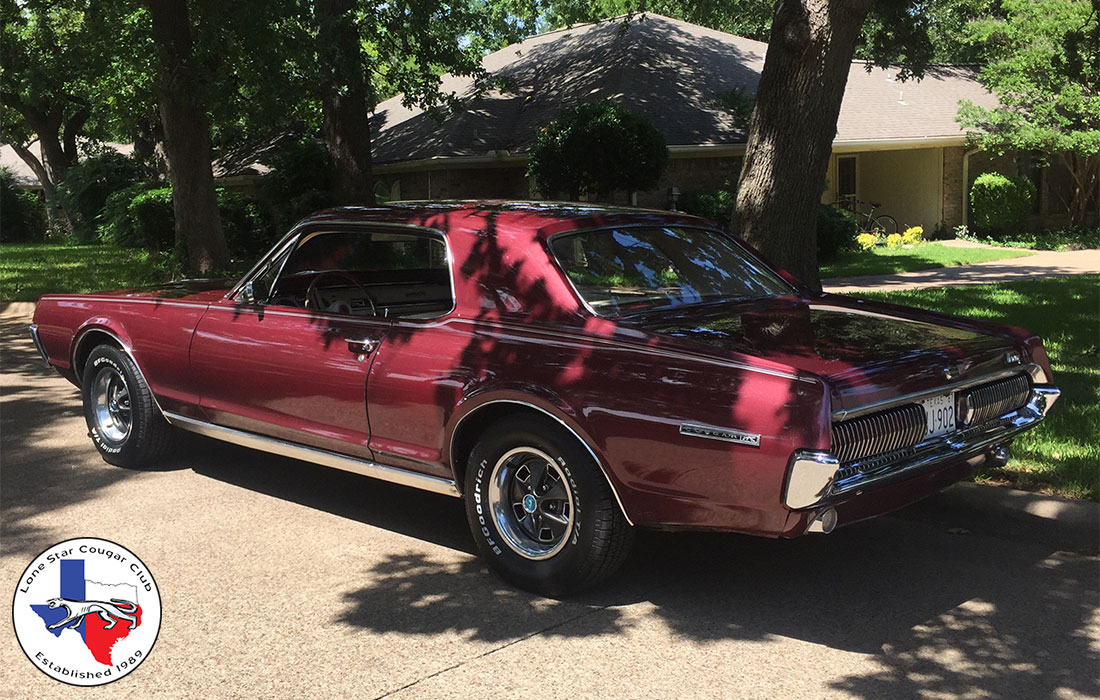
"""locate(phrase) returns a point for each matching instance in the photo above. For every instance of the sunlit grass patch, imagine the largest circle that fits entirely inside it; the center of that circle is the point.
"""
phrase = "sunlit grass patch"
(27, 271)
(887, 261)
(1062, 455)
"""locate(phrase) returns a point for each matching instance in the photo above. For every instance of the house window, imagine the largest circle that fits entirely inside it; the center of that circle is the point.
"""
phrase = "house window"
(846, 181)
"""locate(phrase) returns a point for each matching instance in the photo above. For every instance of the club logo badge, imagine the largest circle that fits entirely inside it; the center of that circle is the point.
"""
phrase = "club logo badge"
(86, 611)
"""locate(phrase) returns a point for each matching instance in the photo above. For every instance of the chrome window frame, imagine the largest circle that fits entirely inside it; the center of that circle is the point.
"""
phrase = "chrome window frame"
(305, 230)
(549, 244)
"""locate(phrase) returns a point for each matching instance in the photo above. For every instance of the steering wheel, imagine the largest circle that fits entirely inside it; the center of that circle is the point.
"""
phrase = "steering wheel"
(314, 300)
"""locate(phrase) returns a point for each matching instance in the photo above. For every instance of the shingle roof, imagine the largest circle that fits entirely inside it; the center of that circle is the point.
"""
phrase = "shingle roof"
(668, 70)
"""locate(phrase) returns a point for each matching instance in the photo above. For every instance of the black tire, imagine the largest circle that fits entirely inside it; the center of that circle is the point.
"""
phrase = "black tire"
(597, 536)
(885, 225)
(123, 419)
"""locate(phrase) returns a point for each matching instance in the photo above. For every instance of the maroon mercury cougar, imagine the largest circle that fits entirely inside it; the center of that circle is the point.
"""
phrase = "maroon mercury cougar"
(571, 372)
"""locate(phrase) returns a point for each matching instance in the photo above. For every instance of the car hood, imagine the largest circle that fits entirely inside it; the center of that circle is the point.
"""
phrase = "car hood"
(864, 351)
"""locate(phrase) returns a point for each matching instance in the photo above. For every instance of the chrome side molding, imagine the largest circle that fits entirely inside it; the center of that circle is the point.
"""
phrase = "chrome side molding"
(424, 482)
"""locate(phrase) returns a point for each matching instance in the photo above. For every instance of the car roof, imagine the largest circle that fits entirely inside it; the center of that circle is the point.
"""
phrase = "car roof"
(504, 218)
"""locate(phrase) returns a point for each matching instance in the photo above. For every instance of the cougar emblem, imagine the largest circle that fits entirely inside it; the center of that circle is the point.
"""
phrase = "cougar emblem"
(112, 612)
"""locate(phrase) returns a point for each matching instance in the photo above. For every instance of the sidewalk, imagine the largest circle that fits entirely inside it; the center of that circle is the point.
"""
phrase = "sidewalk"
(1043, 264)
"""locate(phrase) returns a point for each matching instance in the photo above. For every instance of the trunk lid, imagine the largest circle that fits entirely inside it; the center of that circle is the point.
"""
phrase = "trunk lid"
(864, 352)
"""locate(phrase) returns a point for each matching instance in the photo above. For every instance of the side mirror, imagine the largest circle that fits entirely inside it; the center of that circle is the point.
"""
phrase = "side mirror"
(249, 293)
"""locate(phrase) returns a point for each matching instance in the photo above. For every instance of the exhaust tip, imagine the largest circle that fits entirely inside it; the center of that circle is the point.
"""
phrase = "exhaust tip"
(824, 522)
(998, 455)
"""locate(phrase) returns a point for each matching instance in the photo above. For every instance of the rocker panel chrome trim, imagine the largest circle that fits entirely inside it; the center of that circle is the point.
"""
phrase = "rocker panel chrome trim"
(324, 458)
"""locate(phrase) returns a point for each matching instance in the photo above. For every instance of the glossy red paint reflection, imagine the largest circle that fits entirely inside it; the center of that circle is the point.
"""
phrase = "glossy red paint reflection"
(774, 368)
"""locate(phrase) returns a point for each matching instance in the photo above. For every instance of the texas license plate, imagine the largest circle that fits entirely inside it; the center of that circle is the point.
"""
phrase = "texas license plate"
(940, 414)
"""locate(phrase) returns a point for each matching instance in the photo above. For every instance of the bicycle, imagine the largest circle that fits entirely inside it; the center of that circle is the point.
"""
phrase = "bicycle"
(882, 224)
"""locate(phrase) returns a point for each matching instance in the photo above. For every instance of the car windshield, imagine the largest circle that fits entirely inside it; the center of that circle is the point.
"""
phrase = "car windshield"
(623, 271)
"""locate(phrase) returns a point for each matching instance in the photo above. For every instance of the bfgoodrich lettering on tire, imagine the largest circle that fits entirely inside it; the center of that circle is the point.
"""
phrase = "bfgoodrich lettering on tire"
(541, 512)
(123, 419)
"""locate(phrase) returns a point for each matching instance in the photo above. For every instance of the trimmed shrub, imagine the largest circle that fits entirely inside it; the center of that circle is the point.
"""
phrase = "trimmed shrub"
(1000, 204)
(141, 216)
(85, 188)
(716, 205)
(22, 214)
(299, 183)
(836, 231)
(595, 149)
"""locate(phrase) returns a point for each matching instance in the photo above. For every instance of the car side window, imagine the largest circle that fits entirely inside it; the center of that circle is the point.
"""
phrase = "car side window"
(365, 272)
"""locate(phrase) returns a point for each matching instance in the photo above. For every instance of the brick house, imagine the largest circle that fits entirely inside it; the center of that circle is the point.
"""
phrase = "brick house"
(897, 143)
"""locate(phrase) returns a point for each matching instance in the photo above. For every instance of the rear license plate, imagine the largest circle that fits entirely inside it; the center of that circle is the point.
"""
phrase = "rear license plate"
(940, 414)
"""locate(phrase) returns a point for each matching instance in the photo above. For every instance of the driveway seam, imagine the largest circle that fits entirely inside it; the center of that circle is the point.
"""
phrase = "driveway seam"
(517, 640)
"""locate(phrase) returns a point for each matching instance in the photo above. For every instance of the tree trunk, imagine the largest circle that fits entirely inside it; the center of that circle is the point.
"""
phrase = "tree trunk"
(344, 101)
(58, 220)
(187, 138)
(792, 129)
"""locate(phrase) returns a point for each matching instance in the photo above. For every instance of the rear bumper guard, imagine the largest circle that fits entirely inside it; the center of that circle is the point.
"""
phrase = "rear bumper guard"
(816, 477)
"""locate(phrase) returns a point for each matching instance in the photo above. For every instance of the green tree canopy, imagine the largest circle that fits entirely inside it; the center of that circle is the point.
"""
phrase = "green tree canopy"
(1043, 67)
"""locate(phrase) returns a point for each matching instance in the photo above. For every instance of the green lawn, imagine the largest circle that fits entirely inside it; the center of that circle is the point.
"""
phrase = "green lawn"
(31, 270)
(887, 261)
(1062, 455)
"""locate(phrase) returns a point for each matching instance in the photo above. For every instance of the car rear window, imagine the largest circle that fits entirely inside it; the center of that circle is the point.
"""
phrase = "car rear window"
(620, 271)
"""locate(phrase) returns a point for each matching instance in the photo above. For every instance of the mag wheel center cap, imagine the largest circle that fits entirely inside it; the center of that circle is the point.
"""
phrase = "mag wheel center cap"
(529, 503)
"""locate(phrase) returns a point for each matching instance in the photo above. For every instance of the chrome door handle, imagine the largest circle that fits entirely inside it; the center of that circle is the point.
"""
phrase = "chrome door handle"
(361, 347)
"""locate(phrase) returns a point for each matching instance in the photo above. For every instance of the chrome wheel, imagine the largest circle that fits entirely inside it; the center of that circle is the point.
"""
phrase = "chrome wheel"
(111, 405)
(531, 503)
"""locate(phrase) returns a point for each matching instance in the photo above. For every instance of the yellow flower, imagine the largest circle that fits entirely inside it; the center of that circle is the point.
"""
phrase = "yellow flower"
(893, 240)
(867, 241)
(913, 234)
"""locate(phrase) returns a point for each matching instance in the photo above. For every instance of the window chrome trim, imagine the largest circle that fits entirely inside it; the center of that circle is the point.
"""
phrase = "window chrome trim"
(1033, 370)
(559, 421)
(695, 227)
(374, 470)
(300, 233)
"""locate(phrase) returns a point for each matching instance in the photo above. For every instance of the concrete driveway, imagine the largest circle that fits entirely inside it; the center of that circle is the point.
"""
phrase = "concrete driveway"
(285, 580)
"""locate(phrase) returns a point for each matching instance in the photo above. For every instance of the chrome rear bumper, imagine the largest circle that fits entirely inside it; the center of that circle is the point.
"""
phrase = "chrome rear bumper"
(38, 343)
(816, 477)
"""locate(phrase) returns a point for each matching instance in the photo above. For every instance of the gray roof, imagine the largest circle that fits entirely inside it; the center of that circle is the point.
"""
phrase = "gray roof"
(668, 70)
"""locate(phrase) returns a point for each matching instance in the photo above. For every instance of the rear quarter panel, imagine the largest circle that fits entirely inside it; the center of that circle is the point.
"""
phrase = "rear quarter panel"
(628, 400)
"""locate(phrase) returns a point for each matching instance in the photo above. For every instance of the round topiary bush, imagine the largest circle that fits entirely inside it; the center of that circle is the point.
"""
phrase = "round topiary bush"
(999, 204)
(595, 149)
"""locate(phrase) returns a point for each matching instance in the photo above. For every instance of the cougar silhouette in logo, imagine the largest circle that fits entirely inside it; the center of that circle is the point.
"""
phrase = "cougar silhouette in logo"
(112, 612)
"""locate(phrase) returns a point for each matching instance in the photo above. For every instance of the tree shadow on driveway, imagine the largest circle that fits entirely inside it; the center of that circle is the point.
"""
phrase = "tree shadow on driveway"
(944, 613)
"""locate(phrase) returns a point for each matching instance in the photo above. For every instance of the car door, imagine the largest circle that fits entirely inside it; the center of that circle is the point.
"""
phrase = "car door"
(268, 361)
(287, 373)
